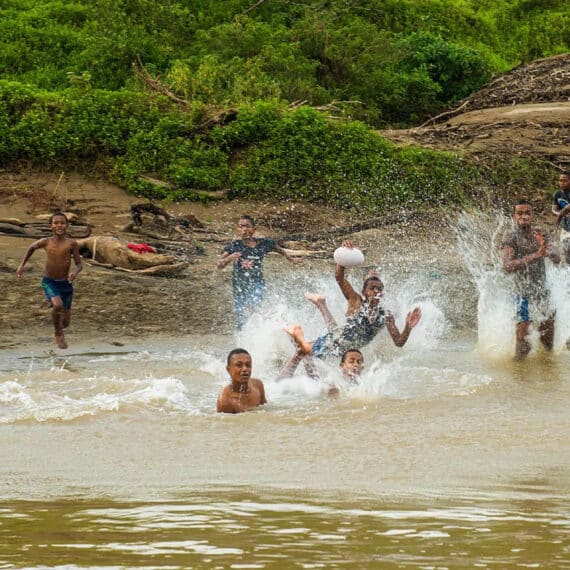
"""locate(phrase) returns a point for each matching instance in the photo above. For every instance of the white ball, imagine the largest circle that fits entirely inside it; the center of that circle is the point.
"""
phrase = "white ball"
(348, 256)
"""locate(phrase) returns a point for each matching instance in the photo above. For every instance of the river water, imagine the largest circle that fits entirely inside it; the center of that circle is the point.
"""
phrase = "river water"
(448, 454)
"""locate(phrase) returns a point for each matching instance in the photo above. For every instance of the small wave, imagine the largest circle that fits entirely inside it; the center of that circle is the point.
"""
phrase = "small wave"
(398, 380)
(71, 400)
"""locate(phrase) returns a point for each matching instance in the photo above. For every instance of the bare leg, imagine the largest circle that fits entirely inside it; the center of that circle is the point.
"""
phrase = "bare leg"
(290, 366)
(65, 318)
(546, 330)
(320, 302)
(310, 367)
(56, 316)
(522, 344)
(296, 333)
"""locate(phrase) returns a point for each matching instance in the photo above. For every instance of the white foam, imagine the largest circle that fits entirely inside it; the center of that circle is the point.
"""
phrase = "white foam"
(479, 237)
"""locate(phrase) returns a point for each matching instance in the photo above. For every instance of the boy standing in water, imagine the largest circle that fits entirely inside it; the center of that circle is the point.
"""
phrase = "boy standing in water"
(57, 279)
(561, 209)
(524, 250)
(247, 254)
(244, 392)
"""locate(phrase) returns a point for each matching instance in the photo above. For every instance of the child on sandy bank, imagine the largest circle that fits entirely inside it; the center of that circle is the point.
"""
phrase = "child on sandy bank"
(57, 279)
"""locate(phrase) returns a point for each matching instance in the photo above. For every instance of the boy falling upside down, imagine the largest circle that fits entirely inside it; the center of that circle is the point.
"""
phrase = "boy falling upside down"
(57, 279)
(365, 317)
(351, 365)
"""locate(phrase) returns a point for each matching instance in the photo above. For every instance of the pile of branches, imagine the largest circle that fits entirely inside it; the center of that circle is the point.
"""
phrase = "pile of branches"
(542, 81)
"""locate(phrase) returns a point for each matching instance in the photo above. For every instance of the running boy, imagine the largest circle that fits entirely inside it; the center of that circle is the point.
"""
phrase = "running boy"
(57, 279)
(247, 255)
(524, 250)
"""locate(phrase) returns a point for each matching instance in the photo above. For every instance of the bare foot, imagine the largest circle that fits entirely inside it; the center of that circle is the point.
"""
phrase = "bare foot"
(60, 340)
(296, 333)
(315, 298)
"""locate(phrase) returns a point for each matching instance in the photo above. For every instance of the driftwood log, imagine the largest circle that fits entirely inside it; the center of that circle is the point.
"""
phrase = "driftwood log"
(335, 232)
(15, 228)
(110, 252)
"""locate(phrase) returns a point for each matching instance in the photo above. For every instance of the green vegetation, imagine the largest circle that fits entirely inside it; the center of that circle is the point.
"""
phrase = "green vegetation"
(225, 77)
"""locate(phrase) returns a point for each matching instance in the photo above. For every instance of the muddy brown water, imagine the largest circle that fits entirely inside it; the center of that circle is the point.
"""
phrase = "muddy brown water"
(448, 453)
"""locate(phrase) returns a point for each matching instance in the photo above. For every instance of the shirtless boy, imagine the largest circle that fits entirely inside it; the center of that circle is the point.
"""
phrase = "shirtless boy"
(247, 254)
(524, 250)
(57, 279)
(243, 392)
(365, 318)
(351, 365)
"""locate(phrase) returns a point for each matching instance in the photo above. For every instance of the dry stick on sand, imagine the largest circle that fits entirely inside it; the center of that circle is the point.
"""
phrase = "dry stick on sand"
(54, 195)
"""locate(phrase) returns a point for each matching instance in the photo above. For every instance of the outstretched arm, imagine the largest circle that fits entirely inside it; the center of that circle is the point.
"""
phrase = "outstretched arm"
(281, 251)
(36, 245)
(412, 319)
(227, 258)
(347, 289)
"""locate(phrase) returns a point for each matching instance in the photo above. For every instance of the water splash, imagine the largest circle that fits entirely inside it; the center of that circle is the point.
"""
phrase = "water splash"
(270, 346)
(479, 238)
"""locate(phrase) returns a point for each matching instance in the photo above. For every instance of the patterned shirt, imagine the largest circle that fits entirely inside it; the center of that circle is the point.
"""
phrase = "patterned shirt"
(248, 269)
(530, 281)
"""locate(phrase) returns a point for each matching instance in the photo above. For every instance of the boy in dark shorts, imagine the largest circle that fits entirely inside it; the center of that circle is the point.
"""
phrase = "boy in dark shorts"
(57, 279)
(247, 254)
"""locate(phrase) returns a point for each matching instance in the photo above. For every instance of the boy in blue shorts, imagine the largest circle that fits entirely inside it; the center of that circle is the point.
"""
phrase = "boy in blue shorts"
(57, 279)
(524, 250)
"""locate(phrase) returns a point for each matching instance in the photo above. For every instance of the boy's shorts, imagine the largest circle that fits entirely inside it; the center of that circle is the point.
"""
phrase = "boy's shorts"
(326, 345)
(529, 309)
(58, 288)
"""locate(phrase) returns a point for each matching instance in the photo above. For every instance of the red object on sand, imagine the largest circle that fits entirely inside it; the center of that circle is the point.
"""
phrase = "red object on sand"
(141, 248)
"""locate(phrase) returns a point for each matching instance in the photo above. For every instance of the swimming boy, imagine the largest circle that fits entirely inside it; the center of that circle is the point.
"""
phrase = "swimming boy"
(524, 250)
(247, 254)
(243, 392)
(365, 318)
(561, 209)
(57, 279)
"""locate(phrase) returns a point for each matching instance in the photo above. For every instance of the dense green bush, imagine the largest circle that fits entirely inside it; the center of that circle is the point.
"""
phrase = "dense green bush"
(71, 90)
(400, 59)
(267, 151)
(304, 156)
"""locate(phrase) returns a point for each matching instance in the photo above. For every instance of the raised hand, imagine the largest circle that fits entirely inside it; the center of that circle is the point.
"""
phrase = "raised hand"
(413, 317)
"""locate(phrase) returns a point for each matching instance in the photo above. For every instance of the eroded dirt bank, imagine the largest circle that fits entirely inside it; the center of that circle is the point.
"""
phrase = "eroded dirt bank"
(116, 306)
